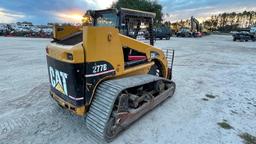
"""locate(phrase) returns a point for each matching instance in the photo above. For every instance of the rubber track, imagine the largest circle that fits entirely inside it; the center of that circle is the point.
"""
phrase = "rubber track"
(105, 97)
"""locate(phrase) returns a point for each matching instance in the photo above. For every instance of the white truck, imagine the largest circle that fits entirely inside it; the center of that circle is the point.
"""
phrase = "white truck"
(253, 30)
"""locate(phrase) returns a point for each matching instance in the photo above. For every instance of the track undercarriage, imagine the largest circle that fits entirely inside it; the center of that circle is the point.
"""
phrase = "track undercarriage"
(118, 103)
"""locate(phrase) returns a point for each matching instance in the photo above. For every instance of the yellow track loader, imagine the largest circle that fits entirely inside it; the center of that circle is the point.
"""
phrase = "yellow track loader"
(103, 72)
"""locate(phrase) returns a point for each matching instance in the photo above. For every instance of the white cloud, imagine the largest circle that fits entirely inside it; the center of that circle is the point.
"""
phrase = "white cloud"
(70, 17)
(7, 16)
(100, 4)
(203, 13)
(203, 9)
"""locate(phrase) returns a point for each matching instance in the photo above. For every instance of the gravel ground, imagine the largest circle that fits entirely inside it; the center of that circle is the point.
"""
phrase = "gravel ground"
(214, 103)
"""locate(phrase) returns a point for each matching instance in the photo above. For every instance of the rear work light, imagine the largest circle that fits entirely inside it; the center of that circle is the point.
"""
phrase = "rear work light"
(69, 56)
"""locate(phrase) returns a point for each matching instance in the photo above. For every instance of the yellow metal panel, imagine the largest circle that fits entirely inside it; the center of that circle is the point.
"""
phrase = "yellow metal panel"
(147, 49)
(80, 111)
(60, 52)
(103, 44)
(61, 32)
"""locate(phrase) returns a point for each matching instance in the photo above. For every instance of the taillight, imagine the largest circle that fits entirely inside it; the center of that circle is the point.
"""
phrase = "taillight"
(47, 50)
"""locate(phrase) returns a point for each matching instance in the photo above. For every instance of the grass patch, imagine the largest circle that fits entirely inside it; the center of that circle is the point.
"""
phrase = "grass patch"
(205, 99)
(225, 125)
(210, 96)
(247, 138)
(234, 112)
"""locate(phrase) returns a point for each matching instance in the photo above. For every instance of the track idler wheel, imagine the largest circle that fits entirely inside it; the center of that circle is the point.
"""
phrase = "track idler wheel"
(111, 130)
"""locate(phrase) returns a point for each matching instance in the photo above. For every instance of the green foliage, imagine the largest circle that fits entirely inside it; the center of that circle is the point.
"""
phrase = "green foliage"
(227, 22)
(210, 96)
(143, 5)
(225, 125)
(248, 139)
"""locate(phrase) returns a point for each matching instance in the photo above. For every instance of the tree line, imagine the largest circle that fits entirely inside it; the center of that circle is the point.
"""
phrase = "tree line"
(143, 5)
(231, 21)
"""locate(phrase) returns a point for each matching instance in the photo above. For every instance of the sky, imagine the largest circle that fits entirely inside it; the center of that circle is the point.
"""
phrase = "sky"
(44, 11)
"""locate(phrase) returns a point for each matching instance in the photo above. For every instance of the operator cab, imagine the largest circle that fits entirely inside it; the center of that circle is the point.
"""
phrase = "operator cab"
(129, 22)
(132, 23)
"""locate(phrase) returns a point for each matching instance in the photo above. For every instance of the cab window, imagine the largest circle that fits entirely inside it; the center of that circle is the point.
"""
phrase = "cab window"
(107, 19)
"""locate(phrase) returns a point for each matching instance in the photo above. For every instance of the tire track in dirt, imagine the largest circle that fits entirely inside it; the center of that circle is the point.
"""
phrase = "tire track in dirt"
(11, 124)
(43, 117)
(25, 105)
(28, 120)
(31, 98)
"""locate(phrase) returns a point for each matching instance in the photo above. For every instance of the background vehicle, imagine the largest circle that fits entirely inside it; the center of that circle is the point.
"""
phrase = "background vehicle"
(104, 74)
(184, 32)
(196, 27)
(253, 30)
(244, 36)
(161, 32)
(189, 28)
(197, 34)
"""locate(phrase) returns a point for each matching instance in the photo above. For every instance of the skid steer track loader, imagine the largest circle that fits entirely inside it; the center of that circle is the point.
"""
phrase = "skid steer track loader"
(101, 71)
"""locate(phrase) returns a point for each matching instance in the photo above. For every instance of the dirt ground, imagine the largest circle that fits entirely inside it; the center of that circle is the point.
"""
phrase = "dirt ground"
(214, 103)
